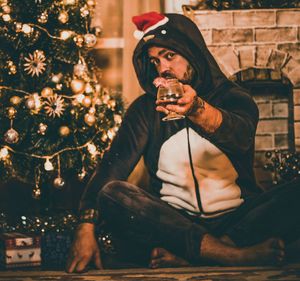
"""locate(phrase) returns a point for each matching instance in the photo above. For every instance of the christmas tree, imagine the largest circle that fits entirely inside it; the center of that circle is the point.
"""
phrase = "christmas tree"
(56, 119)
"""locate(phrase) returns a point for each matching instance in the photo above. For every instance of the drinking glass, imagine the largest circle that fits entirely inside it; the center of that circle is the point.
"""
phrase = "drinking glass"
(169, 93)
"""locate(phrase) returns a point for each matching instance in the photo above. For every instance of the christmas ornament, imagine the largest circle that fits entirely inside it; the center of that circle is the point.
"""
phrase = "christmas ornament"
(77, 86)
(92, 149)
(117, 119)
(54, 106)
(43, 18)
(36, 193)
(80, 69)
(88, 88)
(90, 40)
(35, 63)
(79, 40)
(64, 131)
(84, 11)
(98, 31)
(87, 101)
(59, 86)
(6, 17)
(42, 129)
(11, 111)
(30, 102)
(91, 4)
(11, 136)
(59, 182)
(46, 92)
(48, 165)
(18, 27)
(56, 78)
(63, 17)
(15, 100)
(6, 9)
(89, 119)
(12, 69)
(69, 2)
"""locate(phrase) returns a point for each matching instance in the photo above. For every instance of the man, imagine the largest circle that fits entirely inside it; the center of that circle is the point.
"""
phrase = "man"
(203, 203)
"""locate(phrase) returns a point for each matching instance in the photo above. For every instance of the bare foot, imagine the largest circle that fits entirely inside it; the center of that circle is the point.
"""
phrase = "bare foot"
(160, 257)
(270, 252)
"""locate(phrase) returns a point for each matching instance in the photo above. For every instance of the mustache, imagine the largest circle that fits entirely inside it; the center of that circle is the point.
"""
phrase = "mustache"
(168, 75)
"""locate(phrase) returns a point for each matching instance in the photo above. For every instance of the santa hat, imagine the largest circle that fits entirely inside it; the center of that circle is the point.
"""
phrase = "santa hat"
(147, 22)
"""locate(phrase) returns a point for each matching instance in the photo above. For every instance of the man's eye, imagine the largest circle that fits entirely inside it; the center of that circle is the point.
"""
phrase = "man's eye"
(154, 61)
(170, 55)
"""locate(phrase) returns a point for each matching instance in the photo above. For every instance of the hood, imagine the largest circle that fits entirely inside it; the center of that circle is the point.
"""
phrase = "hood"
(181, 35)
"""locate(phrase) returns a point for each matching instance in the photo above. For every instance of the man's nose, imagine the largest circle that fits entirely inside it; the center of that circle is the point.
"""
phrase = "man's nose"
(163, 67)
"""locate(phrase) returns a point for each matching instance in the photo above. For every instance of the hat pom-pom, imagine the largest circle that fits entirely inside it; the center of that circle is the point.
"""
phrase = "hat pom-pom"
(138, 34)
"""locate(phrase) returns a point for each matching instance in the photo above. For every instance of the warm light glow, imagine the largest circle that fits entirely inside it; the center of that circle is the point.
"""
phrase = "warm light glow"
(65, 34)
(92, 149)
(80, 97)
(3, 153)
(48, 165)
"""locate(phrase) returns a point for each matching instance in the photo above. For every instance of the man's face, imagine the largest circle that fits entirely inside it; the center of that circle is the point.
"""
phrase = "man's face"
(170, 64)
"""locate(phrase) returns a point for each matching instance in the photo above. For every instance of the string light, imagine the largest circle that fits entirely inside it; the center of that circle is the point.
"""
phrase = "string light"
(48, 165)
(4, 153)
(92, 149)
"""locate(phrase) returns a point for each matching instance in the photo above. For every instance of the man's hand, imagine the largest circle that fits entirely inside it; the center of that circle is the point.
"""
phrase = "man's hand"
(184, 105)
(84, 249)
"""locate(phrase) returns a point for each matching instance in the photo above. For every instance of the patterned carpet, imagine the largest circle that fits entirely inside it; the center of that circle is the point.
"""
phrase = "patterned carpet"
(286, 273)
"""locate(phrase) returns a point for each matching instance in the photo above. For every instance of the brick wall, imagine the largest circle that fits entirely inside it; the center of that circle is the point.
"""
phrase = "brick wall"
(259, 45)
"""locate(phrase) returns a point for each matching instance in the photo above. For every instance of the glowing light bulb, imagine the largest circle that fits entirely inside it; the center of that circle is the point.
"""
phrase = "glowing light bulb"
(3, 153)
(92, 149)
(48, 165)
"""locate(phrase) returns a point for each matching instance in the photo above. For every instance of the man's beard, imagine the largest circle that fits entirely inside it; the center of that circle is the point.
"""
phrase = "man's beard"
(187, 76)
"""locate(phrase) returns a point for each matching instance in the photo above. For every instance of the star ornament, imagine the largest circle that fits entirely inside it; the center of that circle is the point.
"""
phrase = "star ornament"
(54, 106)
(35, 63)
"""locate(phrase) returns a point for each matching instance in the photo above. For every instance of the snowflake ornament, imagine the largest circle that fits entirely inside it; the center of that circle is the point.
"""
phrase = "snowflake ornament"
(54, 106)
(35, 63)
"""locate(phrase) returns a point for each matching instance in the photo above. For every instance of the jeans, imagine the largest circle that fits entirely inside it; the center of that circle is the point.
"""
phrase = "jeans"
(145, 221)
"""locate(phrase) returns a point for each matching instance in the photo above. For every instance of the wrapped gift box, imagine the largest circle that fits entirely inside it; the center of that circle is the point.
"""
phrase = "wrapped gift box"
(55, 249)
(19, 250)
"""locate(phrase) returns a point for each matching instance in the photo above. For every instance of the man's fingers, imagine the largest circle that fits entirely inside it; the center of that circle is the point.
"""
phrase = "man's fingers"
(71, 264)
(97, 260)
(162, 109)
(81, 266)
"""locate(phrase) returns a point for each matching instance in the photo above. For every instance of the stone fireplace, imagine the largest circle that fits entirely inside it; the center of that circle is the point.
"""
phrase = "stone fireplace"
(261, 50)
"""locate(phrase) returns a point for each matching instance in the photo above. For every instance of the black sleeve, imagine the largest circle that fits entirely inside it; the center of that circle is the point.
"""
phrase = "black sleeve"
(236, 134)
(124, 153)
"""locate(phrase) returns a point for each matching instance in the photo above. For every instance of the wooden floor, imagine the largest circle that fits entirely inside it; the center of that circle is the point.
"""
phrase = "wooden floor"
(284, 273)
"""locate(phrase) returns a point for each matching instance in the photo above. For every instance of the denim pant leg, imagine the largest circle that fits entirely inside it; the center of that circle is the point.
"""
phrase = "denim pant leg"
(141, 217)
(275, 213)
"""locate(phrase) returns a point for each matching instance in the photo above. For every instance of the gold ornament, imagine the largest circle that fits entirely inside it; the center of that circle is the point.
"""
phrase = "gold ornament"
(63, 17)
(11, 136)
(59, 182)
(15, 100)
(69, 2)
(42, 129)
(6, 17)
(35, 63)
(46, 92)
(64, 131)
(88, 88)
(77, 86)
(87, 101)
(79, 40)
(54, 106)
(43, 18)
(56, 78)
(79, 69)
(59, 86)
(18, 27)
(98, 31)
(12, 69)
(36, 193)
(117, 119)
(11, 111)
(84, 11)
(30, 103)
(89, 119)
(6, 9)
(90, 40)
